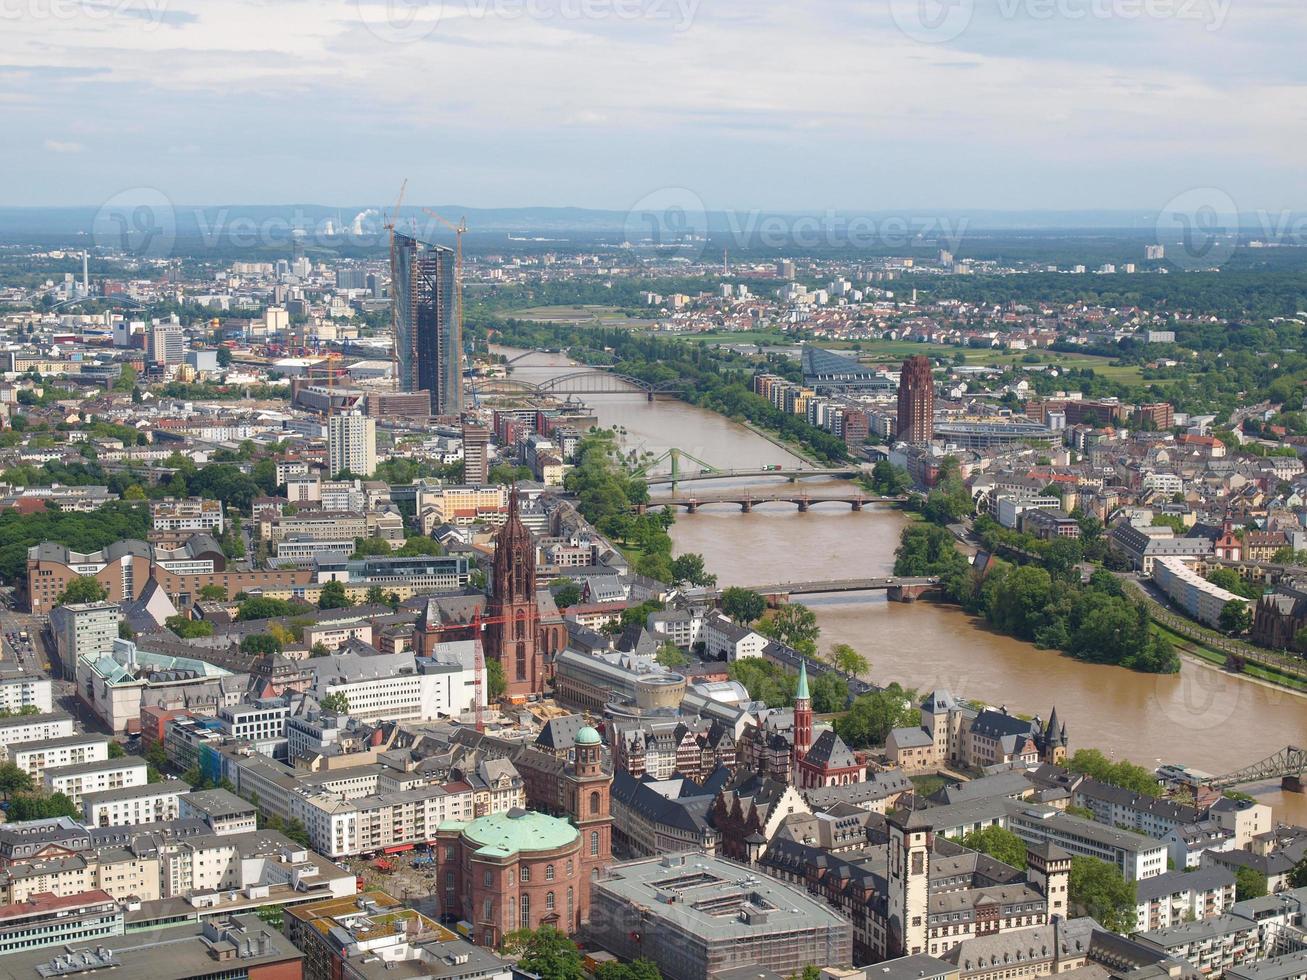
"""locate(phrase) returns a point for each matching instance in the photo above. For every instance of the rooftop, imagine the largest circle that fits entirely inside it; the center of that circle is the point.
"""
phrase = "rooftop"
(505, 834)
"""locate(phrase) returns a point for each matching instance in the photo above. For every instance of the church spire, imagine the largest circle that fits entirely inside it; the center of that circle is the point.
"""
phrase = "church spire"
(802, 690)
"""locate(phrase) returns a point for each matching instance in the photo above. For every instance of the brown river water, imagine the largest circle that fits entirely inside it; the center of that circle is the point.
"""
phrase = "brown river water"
(1201, 717)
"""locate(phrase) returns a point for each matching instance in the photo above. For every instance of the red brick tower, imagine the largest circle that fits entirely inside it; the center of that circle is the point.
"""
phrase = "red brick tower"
(511, 637)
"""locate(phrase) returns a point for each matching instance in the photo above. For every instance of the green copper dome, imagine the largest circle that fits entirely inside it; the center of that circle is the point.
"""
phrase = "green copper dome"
(587, 736)
(504, 834)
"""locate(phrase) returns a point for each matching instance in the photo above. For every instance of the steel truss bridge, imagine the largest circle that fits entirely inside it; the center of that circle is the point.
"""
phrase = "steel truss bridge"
(592, 381)
(1287, 765)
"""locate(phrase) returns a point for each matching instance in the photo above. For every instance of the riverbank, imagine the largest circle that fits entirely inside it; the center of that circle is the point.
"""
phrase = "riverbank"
(1203, 717)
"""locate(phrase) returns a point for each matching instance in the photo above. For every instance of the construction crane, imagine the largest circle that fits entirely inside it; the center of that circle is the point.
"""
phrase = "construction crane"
(477, 624)
(394, 313)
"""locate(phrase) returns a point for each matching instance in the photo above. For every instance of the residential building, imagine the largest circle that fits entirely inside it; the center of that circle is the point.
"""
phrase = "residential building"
(476, 454)
(131, 806)
(94, 777)
(1181, 896)
(221, 810)
(1211, 945)
(352, 444)
(189, 514)
(23, 692)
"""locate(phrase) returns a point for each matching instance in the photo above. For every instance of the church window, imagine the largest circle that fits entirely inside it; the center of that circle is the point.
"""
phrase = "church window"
(594, 843)
(594, 803)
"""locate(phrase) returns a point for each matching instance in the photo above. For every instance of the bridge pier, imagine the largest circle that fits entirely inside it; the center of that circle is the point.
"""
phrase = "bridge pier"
(803, 505)
(691, 506)
(641, 508)
(857, 506)
(746, 506)
(1292, 784)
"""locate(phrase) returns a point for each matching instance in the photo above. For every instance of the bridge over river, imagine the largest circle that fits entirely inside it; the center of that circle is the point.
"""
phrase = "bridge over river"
(747, 500)
(898, 588)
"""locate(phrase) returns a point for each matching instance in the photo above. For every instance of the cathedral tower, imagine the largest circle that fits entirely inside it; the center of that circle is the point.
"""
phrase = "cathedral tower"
(512, 636)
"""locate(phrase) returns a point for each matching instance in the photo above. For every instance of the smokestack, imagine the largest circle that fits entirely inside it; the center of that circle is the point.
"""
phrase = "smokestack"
(86, 277)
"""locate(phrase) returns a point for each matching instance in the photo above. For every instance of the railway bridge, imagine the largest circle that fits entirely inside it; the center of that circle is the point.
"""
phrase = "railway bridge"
(746, 501)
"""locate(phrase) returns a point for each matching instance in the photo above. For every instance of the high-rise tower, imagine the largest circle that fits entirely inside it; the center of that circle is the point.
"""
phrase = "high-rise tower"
(428, 334)
(916, 401)
(512, 637)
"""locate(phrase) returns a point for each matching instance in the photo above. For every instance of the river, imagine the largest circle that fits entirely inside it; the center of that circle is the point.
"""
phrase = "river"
(1201, 717)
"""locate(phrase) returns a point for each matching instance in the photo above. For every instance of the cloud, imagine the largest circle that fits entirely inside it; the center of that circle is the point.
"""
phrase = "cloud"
(63, 146)
(762, 104)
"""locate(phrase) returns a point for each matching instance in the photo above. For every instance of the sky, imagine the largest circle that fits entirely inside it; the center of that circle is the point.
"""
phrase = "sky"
(778, 104)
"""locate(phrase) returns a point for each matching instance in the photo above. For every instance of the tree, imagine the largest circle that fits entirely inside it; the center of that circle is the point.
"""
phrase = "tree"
(1248, 883)
(566, 593)
(830, 693)
(847, 660)
(189, 628)
(376, 596)
(1125, 774)
(998, 843)
(14, 780)
(765, 681)
(335, 701)
(84, 588)
(496, 683)
(213, 592)
(795, 625)
(640, 969)
(671, 656)
(1099, 890)
(319, 649)
(688, 569)
(1236, 617)
(873, 715)
(333, 596)
(258, 607)
(40, 807)
(1298, 874)
(743, 605)
(259, 644)
(116, 751)
(546, 952)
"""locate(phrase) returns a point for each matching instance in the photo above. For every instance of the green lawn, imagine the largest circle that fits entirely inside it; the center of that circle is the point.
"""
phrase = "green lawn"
(589, 315)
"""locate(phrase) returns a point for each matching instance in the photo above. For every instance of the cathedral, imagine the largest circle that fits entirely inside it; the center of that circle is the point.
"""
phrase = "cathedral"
(522, 629)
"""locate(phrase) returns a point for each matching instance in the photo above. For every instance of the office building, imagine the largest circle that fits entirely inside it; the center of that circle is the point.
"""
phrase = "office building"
(352, 444)
(85, 629)
(429, 335)
(697, 916)
(916, 416)
(476, 454)
(166, 344)
(219, 948)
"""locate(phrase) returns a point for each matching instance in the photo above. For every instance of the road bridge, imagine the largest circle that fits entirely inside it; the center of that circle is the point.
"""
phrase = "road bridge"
(835, 472)
(747, 501)
(1287, 765)
(898, 588)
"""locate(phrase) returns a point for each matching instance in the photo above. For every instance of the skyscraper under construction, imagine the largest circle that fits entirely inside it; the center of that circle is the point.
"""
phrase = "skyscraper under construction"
(916, 401)
(428, 332)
